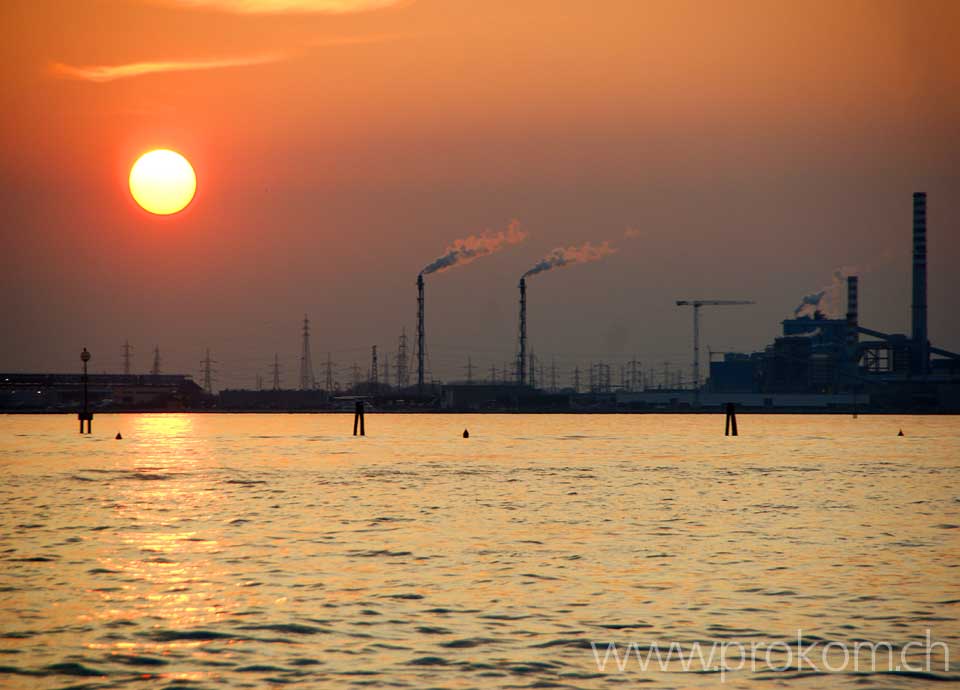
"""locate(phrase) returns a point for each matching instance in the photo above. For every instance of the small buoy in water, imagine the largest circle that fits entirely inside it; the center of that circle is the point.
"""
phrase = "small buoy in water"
(119, 437)
(901, 433)
(466, 434)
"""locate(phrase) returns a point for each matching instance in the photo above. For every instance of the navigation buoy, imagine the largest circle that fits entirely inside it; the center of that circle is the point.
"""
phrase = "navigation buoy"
(118, 436)
(466, 434)
(901, 433)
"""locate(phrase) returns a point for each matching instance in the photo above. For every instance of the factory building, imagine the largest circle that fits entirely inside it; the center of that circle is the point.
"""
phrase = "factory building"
(820, 355)
(25, 392)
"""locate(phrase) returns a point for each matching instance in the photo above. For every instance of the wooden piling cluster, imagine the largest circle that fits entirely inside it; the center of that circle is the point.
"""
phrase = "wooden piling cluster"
(358, 418)
(731, 420)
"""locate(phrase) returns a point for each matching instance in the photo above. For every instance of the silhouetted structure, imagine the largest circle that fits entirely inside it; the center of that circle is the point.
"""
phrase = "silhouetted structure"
(420, 335)
(307, 381)
(208, 372)
(403, 370)
(85, 415)
(920, 355)
(731, 425)
(276, 371)
(696, 304)
(358, 418)
(522, 354)
(820, 354)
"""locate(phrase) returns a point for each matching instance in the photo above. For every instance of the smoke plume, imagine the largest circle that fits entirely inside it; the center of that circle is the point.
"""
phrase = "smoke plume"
(561, 256)
(809, 305)
(828, 301)
(473, 247)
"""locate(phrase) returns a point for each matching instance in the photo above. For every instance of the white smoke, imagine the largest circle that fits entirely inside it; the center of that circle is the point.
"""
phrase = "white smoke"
(565, 256)
(473, 247)
(828, 301)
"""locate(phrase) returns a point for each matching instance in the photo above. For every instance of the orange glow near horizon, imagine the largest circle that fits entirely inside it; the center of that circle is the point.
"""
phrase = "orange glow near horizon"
(162, 182)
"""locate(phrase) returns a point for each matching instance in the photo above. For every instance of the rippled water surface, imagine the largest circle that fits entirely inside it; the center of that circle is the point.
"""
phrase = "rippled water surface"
(268, 550)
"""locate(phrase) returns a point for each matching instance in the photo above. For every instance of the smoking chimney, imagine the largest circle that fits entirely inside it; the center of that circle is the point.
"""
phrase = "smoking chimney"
(853, 315)
(522, 355)
(920, 344)
(420, 333)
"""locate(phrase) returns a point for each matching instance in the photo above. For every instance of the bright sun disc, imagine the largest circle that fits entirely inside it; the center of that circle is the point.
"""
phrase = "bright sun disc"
(162, 182)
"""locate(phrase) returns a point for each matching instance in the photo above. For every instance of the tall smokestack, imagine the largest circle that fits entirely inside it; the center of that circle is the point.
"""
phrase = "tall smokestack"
(420, 356)
(853, 314)
(522, 355)
(919, 311)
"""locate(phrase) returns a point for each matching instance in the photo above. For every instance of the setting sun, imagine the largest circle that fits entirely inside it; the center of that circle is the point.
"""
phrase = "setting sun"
(162, 182)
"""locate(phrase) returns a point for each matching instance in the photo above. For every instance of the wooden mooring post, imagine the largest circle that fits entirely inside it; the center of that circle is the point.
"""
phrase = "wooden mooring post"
(358, 419)
(85, 415)
(731, 420)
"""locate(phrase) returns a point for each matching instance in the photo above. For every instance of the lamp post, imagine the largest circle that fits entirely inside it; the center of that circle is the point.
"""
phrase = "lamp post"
(85, 414)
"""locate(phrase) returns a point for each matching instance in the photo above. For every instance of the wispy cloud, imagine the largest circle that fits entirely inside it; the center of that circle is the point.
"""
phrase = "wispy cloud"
(103, 73)
(286, 6)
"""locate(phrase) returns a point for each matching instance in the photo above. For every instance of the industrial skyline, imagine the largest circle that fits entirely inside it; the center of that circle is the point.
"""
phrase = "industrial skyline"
(816, 312)
(664, 128)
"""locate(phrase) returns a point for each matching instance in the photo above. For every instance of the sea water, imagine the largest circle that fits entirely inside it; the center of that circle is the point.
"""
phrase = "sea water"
(215, 550)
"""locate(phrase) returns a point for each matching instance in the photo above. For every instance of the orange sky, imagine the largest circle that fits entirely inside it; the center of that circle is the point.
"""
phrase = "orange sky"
(340, 145)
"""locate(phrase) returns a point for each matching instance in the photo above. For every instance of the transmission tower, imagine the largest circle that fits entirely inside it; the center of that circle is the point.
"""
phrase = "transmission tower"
(355, 374)
(307, 382)
(208, 372)
(576, 379)
(374, 367)
(634, 375)
(532, 376)
(155, 369)
(469, 369)
(553, 375)
(403, 371)
(493, 373)
(386, 371)
(328, 374)
(276, 372)
(126, 357)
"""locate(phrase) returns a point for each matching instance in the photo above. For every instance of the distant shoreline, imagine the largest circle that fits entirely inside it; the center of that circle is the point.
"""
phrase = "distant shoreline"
(708, 411)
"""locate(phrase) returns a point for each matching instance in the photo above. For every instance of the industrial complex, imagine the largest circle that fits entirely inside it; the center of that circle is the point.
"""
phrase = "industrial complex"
(819, 363)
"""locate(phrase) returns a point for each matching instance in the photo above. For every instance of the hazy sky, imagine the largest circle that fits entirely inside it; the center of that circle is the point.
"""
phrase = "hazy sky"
(726, 149)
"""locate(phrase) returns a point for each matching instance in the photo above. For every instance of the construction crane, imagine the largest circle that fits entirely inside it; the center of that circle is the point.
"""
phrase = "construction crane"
(696, 304)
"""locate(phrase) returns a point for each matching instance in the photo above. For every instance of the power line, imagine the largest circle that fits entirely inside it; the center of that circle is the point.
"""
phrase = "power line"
(126, 357)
